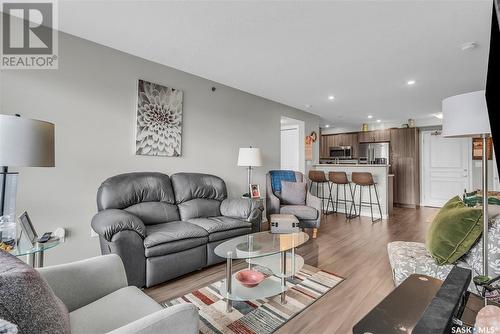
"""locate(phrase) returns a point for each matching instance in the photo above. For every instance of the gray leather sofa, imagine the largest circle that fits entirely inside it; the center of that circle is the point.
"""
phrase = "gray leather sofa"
(309, 215)
(164, 227)
(96, 294)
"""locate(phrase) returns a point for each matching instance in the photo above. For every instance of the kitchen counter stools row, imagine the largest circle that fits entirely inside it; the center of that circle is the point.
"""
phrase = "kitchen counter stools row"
(336, 179)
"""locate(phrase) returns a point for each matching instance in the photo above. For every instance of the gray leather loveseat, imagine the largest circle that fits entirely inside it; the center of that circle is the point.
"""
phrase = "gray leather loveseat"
(164, 227)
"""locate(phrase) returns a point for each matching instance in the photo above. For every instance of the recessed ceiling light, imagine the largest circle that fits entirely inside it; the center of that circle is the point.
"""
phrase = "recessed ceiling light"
(327, 125)
(308, 106)
(410, 82)
(378, 121)
(438, 115)
(331, 97)
(370, 116)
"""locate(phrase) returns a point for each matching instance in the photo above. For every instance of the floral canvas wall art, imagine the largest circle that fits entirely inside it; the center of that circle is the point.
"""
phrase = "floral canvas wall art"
(159, 120)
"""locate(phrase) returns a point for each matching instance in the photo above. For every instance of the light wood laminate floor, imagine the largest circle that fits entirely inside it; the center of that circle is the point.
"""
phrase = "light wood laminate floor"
(356, 250)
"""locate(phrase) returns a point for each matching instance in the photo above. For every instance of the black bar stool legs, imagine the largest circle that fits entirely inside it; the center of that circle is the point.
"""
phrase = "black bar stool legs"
(340, 179)
(366, 180)
(319, 178)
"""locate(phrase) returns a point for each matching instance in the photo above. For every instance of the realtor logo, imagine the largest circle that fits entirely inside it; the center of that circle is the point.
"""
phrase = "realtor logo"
(29, 35)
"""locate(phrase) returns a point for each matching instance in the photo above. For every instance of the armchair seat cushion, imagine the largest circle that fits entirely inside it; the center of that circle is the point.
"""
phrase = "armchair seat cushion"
(219, 227)
(113, 311)
(173, 237)
(302, 212)
(408, 258)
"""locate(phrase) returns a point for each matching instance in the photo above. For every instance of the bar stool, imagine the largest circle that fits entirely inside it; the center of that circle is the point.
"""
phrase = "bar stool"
(340, 179)
(318, 177)
(366, 180)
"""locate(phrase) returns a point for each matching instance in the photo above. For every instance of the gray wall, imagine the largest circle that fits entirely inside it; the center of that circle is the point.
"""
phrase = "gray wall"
(91, 99)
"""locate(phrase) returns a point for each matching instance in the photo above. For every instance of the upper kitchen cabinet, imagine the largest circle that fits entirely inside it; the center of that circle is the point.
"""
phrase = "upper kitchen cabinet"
(343, 139)
(374, 136)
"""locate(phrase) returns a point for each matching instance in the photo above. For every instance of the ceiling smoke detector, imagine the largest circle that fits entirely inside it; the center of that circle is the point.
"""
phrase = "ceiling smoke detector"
(468, 46)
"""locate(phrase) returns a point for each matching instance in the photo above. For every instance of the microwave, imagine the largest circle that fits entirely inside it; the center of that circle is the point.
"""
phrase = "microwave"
(341, 152)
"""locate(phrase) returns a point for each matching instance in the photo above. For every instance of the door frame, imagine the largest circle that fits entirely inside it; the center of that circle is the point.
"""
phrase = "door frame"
(421, 156)
(302, 140)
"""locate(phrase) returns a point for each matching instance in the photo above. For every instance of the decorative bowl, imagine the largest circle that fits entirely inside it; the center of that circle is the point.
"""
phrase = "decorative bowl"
(249, 278)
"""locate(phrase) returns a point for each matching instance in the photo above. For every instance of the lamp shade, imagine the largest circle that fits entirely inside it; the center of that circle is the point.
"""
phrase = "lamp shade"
(249, 156)
(26, 142)
(465, 115)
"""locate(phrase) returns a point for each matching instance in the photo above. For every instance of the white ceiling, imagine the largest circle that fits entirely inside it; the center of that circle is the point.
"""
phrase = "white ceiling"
(299, 53)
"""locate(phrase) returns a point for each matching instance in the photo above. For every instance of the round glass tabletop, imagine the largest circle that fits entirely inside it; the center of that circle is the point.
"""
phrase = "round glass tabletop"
(21, 250)
(260, 244)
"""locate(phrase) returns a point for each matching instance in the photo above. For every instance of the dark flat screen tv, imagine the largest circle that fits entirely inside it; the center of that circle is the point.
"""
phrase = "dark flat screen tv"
(493, 81)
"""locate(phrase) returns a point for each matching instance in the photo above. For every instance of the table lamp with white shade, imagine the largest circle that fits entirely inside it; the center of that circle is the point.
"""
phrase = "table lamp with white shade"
(23, 143)
(249, 157)
(466, 115)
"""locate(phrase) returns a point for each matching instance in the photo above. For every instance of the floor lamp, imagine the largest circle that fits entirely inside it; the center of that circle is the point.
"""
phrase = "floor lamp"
(23, 143)
(466, 115)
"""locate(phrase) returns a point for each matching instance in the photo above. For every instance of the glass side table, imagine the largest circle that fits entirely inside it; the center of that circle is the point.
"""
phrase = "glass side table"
(34, 254)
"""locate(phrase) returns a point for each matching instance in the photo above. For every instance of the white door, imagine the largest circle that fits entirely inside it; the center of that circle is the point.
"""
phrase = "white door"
(445, 166)
(290, 148)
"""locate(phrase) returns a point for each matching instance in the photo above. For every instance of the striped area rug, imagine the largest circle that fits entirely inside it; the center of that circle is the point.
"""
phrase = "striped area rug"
(258, 316)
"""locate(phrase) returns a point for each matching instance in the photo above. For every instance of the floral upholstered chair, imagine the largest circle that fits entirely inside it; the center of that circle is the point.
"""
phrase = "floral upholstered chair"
(408, 258)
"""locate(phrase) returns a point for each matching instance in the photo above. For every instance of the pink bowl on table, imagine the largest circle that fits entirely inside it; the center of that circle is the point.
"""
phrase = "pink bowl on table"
(249, 278)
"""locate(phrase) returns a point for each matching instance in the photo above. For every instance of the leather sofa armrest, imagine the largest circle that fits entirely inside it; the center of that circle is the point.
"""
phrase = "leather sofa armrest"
(242, 208)
(108, 222)
(247, 209)
(181, 318)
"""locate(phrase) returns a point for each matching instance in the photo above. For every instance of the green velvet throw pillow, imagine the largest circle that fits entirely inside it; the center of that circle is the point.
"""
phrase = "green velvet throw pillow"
(453, 231)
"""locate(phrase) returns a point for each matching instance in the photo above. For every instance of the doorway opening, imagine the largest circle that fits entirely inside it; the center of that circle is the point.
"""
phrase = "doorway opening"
(292, 144)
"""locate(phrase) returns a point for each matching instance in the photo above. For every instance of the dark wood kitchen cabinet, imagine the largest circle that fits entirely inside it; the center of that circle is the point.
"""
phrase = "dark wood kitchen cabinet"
(343, 139)
(376, 136)
(405, 165)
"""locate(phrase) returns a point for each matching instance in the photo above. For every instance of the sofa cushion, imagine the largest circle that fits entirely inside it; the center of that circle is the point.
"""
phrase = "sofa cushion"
(408, 258)
(175, 246)
(172, 231)
(27, 301)
(113, 311)
(453, 231)
(199, 207)
(227, 234)
(124, 190)
(189, 186)
(293, 193)
(302, 212)
(154, 212)
(218, 224)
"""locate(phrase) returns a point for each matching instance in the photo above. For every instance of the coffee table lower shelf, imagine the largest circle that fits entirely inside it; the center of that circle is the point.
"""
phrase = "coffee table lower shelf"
(271, 286)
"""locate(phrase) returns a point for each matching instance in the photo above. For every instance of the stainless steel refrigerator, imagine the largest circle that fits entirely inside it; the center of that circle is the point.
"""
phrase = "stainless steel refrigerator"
(374, 153)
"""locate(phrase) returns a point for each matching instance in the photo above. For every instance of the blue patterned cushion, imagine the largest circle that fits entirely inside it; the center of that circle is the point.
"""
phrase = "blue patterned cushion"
(281, 175)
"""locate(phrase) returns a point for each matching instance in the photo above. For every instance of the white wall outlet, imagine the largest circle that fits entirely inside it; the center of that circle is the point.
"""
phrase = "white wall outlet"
(60, 233)
(93, 234)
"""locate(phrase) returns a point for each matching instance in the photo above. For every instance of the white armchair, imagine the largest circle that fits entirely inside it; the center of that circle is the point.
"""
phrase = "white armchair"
(96, 294)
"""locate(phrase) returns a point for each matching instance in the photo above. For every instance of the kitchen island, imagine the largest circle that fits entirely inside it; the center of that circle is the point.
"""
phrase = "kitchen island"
(380, 175)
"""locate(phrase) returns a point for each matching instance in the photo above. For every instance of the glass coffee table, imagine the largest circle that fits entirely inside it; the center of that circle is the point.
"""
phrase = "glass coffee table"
(263, 249)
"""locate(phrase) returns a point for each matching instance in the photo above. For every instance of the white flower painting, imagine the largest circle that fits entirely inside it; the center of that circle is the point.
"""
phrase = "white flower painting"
(159, 120)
